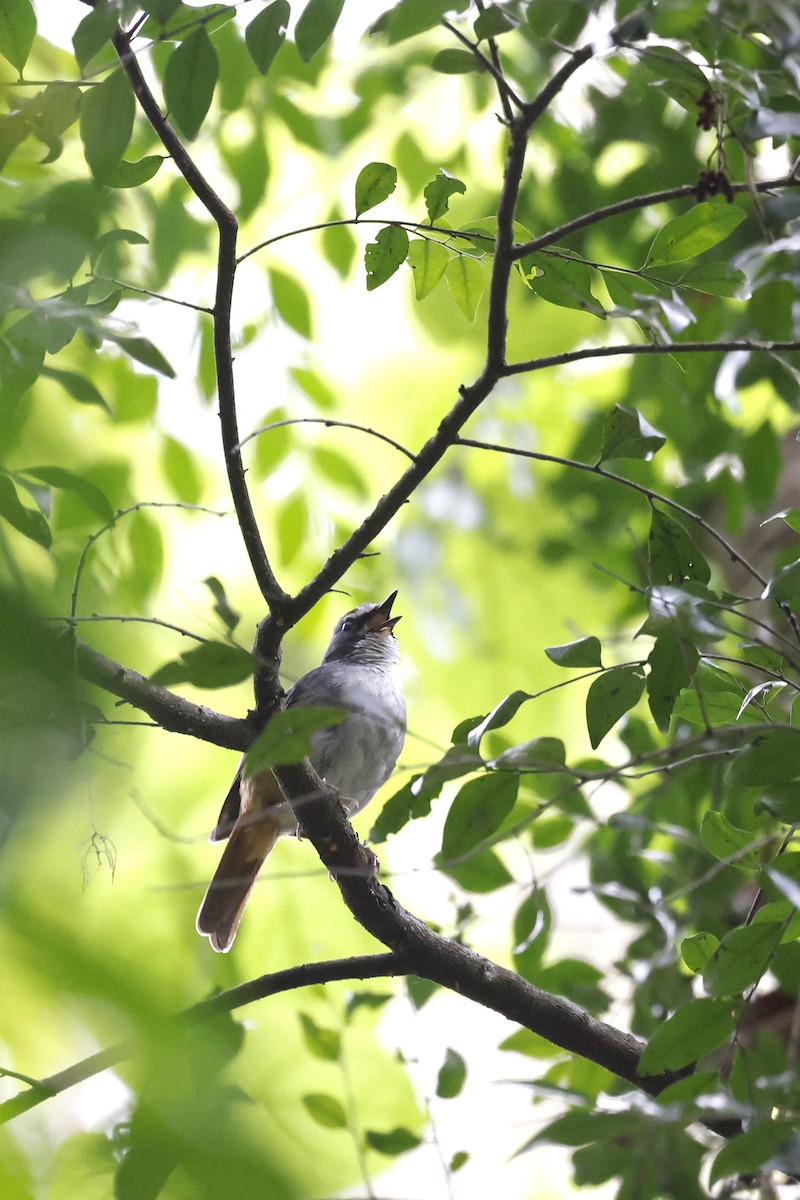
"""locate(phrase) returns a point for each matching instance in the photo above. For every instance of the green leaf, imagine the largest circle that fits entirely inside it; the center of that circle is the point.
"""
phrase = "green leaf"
(428, 261)
(287, 737)
(459, 1159)
(724, 840)
(741, 958)
(132, 174)
(339, 470)
(316, 24)
(626, 434)
(59, 477)
(291, 300)
(785, 583)
(481, 873)
(466, 279)
(749, 1151)
(717, 279)
(320, 1042)
(672, 555)
(563, 281)
(94, 32)
(611, 695)
(144, 352)
(181, 469)
(539, 754)
(189, 81)
(686, 236)
(397, 1141)
(130, 236)
(452, 1074)
(500, 715)
(695, 1030)
(314, 387)
(491, 22)
(585, 652)
(17, 31)
(80, 388)
(477, 812)
(771, 757)
(27, 521)
(107, 114)
(338, 245)
(437, 195)
(266, 33)
(326, 1110)
(383, 256)
(672, 664)
(455, 62)
(222, 607)
(209, 665)
(376, 181)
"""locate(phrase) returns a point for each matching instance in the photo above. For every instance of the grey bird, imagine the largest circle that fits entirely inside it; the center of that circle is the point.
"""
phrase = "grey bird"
(360, 674)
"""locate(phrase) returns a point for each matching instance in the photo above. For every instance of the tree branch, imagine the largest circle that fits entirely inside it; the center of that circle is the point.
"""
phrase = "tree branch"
(569, 356)
(685, 191)
(448, 963)
(172, 712)
(227, 227)
(367, 966)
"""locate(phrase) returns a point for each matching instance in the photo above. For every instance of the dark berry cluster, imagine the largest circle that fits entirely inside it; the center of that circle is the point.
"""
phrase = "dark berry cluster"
(707, 108)
(713, 183)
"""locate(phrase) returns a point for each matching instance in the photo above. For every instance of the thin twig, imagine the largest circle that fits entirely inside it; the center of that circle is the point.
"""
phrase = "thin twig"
(329, 423)
(570, 356)
(503, 86)
(142, 291)
(409, 226)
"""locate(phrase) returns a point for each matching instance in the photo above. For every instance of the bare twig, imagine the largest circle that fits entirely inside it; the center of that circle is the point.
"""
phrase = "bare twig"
(570, 356)
(330, 424)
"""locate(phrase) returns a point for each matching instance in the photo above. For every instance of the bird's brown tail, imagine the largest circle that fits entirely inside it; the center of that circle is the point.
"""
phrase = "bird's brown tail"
(229, 890)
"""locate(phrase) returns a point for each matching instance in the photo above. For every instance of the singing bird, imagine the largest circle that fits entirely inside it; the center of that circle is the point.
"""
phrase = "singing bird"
(360, 675)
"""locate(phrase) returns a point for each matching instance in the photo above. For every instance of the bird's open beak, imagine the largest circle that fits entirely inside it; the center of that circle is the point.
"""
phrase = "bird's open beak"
(381, 619)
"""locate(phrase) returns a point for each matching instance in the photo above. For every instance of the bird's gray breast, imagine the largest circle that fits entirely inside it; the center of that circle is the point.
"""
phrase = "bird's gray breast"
(358, 755)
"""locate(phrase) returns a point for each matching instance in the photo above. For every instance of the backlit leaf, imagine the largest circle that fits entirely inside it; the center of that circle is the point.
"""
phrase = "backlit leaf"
(316, 24)
(17, 31)
(611, 695)
(383, 256)
(375, 182)
(326, 1110)
(626, 434)
(428, 261)
(107, 114)
(467, 280)
(437, 194)
(686, 236)
(477, 812)
(189, 81)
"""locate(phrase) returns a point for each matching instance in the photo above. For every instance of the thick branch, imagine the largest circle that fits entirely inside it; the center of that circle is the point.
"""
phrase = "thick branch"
(448, 963)
(171, 712)
(374, 966)
(227, 226)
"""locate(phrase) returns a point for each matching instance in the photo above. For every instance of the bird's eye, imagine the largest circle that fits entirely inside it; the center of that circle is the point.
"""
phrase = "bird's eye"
(348, 623)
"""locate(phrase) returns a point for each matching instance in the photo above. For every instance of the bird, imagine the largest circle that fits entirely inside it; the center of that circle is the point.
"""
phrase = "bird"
(360, 674)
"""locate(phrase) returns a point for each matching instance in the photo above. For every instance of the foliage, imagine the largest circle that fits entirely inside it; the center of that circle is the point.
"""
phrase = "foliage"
(599, 581)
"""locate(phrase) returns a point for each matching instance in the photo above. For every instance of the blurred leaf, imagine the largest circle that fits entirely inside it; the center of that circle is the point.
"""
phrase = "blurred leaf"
(17, 31)
(134, 174)
(94, 32)
(291, 300)
(181, 469)
(59, 477)
(466, 280)
(746, 1153)
(724, 840)
(500, 715)
(626, 434)
(455, 62)
(338, 245)
(785, 583)
(539, 754)
(107, 114)
(266, 32)
(189, 81)
(695, 1030)
(741, 958)
(770, 757)
(397, 1141)
(288, 735)
(491, 22)
(410, 17)
(144, 352)
(327, 1111)
(376, 181)
(477, 812)
(452, 1074)
(716, 279)
(585, 652)
(383, 256)
(480, 873)
(28, 521)
(227, 614)
(437, 195)
(314, 387)
(428, 261)
(340, 470)
(316, 24)
(704, 226)
(611, 695)
(77, 386)
(209, 665)
(320, 1042)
